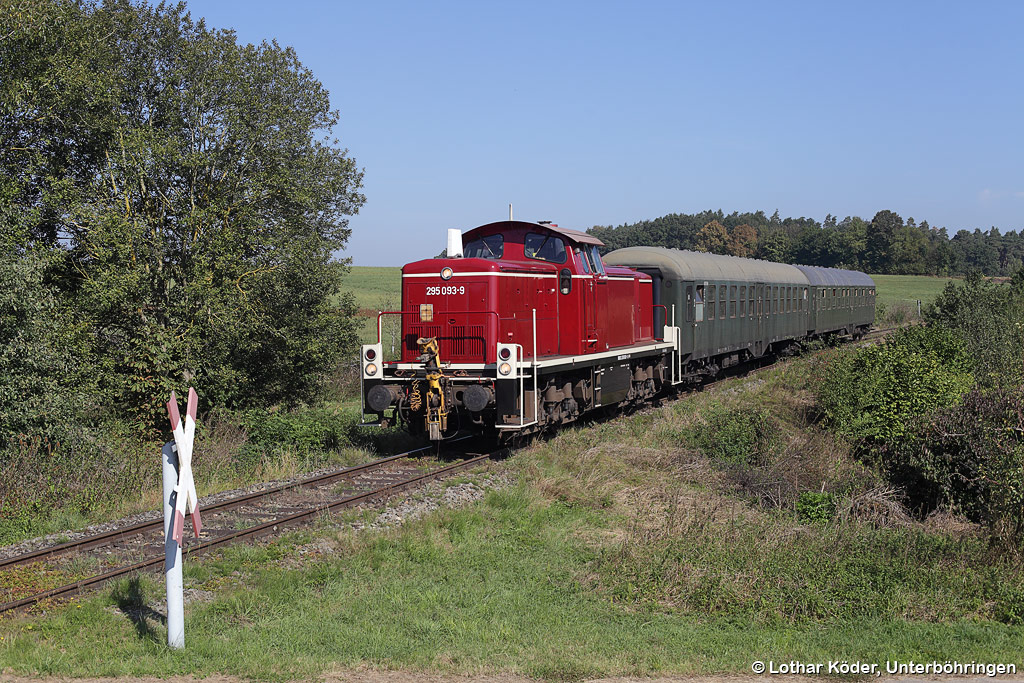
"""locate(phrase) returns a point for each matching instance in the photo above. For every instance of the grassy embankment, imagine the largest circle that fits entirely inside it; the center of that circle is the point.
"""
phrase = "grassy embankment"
(640, 546)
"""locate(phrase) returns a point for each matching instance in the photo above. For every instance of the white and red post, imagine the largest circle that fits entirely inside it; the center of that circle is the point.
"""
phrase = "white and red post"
(179, 495)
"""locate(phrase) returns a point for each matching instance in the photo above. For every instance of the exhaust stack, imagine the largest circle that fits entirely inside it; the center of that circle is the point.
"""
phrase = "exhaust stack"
(454, 243)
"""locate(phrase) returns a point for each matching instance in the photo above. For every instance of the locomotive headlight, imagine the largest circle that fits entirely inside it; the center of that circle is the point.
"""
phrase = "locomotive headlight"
(505, 369)
(505, 353)
(371, 355)
(446, 273)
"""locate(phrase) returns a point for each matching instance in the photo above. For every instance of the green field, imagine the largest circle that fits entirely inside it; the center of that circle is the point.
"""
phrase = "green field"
(906, 290)
(375, 289)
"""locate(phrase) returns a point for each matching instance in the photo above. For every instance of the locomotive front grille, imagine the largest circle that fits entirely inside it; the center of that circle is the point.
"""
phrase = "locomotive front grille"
(456, 342)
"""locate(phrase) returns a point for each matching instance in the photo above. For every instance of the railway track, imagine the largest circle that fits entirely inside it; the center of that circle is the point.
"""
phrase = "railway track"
(138, 547)
(94, 560)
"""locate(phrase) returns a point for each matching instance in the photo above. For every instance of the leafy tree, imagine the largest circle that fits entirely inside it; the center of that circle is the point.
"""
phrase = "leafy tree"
(196, 190)
(742, 241)
(41, 378)
(774, 247)
(712, 238)
(883, 245)
(880, 242)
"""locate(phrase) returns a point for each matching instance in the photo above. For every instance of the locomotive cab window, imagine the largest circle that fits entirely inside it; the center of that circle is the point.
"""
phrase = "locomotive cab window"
(544, 248)
(491, 246)
(582, 260)
(595, 257)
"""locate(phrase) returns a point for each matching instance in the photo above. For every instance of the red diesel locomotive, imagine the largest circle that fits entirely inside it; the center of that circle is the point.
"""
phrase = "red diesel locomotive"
(528, 328)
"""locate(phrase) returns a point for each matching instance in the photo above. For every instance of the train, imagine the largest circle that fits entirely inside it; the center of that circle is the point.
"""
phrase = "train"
(525, 326)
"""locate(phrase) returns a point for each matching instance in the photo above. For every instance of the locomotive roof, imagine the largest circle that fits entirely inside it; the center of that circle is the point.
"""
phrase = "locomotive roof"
(696, 265)
(835, 277)
(574, 235)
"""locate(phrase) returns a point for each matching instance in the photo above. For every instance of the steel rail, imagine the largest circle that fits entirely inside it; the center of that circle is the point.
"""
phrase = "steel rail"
(253, 532)
(121, 533)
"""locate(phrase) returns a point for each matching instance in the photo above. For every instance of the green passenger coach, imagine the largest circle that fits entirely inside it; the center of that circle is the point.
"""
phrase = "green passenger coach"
(726, 310)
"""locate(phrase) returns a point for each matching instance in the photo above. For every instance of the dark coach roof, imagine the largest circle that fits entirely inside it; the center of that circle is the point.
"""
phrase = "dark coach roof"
(835, 277)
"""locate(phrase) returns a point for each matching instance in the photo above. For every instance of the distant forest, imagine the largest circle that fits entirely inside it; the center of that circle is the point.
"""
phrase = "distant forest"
(885, 244)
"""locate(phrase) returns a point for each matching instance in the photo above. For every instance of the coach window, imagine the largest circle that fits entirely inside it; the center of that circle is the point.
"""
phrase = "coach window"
(743, 302)
(721, 301)
(712, 294)
(544, 248)
(689, 303)
(492, 247)
(581, 258)
(595, 257)
(732, 301)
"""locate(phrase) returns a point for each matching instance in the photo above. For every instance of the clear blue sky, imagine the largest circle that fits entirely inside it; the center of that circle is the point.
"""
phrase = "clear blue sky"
(603, 113)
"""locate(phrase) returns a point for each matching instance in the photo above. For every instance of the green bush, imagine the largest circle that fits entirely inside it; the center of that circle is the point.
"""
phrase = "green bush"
(305, 430)
(878, 394)
(972, 457)
(737, 437)
(1010, 605)
(813, 506)
(989, 317)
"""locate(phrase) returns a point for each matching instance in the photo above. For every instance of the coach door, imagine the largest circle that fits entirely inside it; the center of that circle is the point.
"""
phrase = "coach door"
(761, 312)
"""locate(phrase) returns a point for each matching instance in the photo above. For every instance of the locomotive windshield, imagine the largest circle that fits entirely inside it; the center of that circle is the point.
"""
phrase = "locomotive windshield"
(491, 246)
(544, 248)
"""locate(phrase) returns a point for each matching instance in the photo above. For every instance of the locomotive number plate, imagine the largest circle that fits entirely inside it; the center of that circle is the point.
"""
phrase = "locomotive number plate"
(442, 291)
